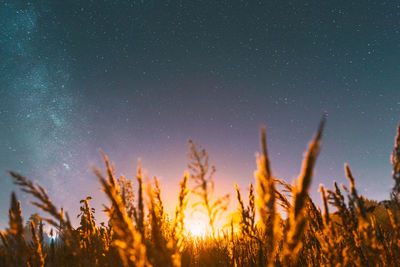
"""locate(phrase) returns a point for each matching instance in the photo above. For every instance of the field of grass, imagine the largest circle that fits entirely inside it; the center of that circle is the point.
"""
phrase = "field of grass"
(350, 230)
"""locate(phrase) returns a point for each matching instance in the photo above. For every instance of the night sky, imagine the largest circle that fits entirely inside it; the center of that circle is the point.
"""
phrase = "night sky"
(141, 78)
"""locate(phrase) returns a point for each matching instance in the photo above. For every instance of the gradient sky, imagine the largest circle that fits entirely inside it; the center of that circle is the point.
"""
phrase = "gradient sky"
(140, 78)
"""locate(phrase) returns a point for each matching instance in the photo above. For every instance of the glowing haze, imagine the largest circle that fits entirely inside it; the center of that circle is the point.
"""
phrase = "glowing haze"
(140, 78)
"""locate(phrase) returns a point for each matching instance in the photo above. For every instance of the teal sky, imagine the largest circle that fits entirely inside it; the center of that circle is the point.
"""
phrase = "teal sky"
(140, 78)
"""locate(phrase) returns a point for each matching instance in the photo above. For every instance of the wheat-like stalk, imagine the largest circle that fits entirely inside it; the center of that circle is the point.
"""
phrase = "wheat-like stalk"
(297, 218)
(266, 196)
(127, 239)
(395, 158)
(38, 259)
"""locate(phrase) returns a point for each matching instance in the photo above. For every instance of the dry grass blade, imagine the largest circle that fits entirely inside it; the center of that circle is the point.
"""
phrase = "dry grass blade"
(44, 203)
(305, 177)
(202, 176)
(178, 226)
(15, 216)
(395, 158)
(297, 218)
(16, 241)
(157, 195)
(354, 193)
(140, 210)
(38, 259)
(325, 201)
(266, 196)
(127, 239)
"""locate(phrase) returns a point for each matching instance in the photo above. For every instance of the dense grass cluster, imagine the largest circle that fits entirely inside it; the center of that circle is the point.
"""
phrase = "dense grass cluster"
(350, 230)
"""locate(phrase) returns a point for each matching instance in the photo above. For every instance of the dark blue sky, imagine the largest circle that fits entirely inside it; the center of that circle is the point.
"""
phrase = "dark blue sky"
(140, 78)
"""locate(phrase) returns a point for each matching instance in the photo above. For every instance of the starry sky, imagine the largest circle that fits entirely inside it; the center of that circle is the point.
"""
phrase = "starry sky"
(141, 78)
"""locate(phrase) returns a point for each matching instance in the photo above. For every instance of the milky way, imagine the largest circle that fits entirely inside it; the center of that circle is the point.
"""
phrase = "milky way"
(37, 105)
(140, 78)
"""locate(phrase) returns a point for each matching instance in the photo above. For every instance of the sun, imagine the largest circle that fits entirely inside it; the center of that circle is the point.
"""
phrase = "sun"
(196, 228)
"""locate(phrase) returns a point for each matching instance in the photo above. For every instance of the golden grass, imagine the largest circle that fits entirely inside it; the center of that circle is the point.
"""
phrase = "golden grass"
(350, 230)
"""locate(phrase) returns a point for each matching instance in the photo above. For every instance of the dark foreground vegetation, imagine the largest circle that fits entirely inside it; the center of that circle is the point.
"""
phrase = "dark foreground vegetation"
(350, 230)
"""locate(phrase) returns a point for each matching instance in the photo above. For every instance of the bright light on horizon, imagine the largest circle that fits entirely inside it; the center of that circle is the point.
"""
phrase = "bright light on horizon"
(197, 224)
(196, 227)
